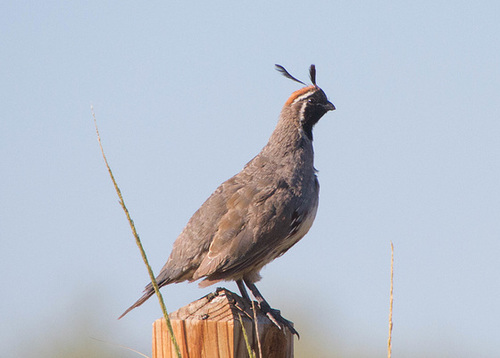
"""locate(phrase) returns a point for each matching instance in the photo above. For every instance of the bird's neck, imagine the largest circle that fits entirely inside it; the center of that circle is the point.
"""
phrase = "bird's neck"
(289, 144)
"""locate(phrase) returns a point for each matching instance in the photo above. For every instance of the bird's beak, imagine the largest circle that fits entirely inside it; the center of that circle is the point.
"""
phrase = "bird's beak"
(329, 106)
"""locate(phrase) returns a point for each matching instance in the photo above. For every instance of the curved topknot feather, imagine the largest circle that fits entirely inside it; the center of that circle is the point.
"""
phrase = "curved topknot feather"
(285, 73)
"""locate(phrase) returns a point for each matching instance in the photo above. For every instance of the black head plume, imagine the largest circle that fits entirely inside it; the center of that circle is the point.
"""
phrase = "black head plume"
(285, 73)
(312, 74)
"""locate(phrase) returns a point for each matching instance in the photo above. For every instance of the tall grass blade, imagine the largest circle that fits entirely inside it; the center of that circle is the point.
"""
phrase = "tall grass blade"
(389, 340)
(138, 242)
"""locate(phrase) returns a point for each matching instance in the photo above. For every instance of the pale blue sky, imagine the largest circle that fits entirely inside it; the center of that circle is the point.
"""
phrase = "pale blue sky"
(185, 94)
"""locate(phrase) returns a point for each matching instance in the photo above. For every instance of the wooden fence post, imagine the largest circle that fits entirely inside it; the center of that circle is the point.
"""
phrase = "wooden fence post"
(210, 328)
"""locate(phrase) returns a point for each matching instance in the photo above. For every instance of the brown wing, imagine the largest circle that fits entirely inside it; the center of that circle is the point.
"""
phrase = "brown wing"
(258, 226)
(193, 243)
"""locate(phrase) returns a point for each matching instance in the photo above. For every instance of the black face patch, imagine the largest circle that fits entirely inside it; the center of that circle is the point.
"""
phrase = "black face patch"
(315, 106)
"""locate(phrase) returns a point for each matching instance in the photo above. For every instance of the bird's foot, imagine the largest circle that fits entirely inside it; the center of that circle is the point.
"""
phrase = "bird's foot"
(275, 317)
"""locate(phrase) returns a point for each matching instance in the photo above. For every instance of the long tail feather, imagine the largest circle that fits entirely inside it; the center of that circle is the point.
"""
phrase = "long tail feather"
(149, 292)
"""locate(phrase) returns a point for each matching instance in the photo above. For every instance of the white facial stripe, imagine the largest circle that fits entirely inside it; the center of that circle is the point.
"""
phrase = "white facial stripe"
(304, 96)
(302, 110)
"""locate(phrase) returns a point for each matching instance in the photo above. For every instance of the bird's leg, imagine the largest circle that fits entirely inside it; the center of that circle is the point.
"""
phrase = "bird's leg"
(243, 290)
(273, 314)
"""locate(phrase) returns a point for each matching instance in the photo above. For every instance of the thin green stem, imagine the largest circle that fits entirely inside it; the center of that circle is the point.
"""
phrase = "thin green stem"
(138, 242)
(247, 341)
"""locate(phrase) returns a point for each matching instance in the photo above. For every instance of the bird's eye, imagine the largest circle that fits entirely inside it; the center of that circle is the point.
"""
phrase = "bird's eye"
(312, 100)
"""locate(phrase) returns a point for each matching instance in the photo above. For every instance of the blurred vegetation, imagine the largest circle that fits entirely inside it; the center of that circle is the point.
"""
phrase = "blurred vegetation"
(85, 328)
(81, 333)
(80, 329)
(74, 342)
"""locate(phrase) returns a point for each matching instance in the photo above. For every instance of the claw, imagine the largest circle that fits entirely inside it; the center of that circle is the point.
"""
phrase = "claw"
(273, 314)
(276, 317)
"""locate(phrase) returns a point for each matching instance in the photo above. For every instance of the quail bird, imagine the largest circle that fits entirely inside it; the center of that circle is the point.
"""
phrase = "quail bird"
(258, 214)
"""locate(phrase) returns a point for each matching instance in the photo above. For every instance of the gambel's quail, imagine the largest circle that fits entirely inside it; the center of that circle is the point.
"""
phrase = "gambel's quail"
(258, 214)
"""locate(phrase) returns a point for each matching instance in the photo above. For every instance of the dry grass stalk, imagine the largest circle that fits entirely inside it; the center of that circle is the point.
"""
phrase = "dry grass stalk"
(256, 321)
(389, 340)
(138, 242)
